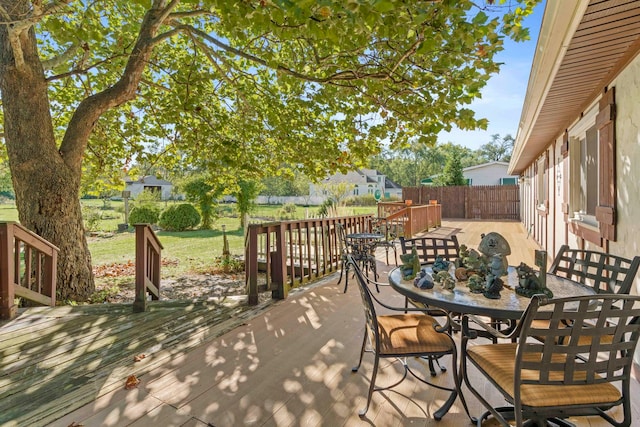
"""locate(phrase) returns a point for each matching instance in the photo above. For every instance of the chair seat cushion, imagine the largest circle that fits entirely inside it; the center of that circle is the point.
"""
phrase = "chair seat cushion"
(498, 362)
(407, 334)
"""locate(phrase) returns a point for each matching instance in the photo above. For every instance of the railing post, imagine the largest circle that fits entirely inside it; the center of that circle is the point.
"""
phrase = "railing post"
(279, 265)
(251, 263)
(140, 302)
(8, 308)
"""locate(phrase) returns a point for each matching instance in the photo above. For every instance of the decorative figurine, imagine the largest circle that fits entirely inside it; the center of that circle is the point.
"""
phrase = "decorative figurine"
(493, 287)
(494, 244)
(409, 262)
(445, 280)
(530, 284)
(475, 284)
(496, 265)
(440, 264)
(423, 281)
(461, 274)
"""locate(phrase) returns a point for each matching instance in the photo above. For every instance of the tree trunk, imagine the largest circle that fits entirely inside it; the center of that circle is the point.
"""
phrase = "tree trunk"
(47, 188)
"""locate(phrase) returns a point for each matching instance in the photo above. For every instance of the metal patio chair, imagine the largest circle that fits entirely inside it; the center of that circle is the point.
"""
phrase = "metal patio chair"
(560, 377)
(401, 336)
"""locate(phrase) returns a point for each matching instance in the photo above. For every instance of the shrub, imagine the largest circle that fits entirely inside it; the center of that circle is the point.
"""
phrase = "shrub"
(287, 211)
(144, 215)
(179, 217)
(91, 218)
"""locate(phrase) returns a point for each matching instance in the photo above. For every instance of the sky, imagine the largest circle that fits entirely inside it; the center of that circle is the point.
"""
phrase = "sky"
(502, 98)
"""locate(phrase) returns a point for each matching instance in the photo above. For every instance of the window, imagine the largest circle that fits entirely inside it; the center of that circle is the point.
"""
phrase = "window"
(589, 172)
(592, 172)
(508, 181)
(583, 149)
(543, 190)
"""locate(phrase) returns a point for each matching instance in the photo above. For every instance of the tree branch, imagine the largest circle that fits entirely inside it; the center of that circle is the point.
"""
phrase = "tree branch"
(90, 109)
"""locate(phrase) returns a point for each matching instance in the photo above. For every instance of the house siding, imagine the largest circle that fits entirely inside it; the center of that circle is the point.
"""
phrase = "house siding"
(627, 163)
(488, 174)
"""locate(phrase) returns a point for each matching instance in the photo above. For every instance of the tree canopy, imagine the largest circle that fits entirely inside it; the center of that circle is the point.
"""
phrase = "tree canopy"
(230, 87)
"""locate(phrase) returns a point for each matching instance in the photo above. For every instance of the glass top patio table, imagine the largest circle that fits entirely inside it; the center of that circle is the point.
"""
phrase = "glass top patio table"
(461, 300)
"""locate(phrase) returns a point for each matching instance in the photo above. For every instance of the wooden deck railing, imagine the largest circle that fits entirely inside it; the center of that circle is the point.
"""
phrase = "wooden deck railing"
(27, 268)
(294, 252)
(148, 261)
(409, 220)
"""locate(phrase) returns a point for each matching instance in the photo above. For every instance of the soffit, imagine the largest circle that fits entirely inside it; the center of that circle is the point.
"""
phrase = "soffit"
(605, 40)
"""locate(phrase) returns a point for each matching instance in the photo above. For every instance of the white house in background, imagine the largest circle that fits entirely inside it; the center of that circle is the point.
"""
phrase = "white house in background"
(577, 149)
(364, 181)
(491, 173)
(150, 183)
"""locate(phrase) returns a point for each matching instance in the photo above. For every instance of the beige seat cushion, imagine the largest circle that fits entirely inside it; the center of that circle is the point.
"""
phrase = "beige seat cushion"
(410, 334)
(498, 362)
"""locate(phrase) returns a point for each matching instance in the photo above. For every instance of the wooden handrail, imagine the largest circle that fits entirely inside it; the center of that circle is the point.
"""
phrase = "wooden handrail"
(28, 268)
(148, 262)
(413, 218)
(294, 252)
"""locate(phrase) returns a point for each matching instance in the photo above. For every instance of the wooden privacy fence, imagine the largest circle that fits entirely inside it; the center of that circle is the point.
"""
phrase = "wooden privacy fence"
(27, 268)
(294, 252)
(489, 202)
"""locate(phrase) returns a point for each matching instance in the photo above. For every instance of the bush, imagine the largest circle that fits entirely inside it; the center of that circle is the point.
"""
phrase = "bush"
(179, 217)
(362, 200)
(287, 211)
(91, 218)
(144, 215)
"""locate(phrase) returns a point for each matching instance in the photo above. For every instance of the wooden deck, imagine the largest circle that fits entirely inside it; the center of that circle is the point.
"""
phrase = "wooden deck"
(282, 364)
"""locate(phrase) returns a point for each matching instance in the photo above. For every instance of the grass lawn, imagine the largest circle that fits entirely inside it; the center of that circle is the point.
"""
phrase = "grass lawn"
(188, 251)
(184, 253)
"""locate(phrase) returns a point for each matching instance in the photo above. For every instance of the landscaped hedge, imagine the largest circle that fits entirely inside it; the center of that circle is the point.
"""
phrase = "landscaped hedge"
(144, 215)
(179, 217)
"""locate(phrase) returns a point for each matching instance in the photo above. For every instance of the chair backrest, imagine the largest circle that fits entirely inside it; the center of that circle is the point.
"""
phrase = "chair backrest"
(341, 236)
(604, 272)
(367, 301)
(611, 324)
(429, 248)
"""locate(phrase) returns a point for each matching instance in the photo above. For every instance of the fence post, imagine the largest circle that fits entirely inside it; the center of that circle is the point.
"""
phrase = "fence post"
(8, 308)
(279, 265)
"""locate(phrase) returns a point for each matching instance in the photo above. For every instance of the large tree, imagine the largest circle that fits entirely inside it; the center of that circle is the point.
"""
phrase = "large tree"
(233, 87)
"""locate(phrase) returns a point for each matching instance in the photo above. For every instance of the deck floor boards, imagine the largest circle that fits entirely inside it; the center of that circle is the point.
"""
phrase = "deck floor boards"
(286, 363)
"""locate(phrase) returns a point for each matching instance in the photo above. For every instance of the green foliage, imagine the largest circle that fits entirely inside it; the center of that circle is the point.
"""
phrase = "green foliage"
(148, 214)
(328, 208)
(104, 295)
(91, 217)
(452, 173)
(179, 217)
(498, 150)
(247, 192)
(287, 211)
(198, 190)
(146, 199)
(228, 264)
(362, 200)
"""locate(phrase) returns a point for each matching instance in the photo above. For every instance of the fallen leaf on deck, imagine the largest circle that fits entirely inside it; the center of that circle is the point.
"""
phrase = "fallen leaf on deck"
(75, 424)
(132, 382)
(139, 357)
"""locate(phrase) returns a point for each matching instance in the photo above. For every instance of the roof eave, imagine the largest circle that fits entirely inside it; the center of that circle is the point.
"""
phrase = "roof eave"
(560, 21)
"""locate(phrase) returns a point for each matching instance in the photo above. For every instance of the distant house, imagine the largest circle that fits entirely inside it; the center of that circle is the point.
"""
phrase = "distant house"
(491, 173)
(150, 183)
(364, 181)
